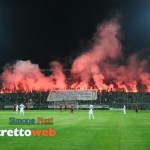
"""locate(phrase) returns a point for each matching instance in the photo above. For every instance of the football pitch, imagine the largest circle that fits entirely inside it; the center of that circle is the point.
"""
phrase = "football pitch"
(110, 130)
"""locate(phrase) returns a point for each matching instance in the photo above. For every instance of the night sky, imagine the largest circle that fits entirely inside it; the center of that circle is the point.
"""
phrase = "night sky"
(47, 30)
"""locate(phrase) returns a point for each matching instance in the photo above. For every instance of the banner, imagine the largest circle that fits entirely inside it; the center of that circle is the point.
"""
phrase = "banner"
(63, 95)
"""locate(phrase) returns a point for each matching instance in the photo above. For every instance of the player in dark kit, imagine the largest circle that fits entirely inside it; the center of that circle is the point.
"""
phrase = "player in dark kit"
(26, 107)
(60, 108)
(14, 107)
(72, 108)
(136, 108)
(66, 107)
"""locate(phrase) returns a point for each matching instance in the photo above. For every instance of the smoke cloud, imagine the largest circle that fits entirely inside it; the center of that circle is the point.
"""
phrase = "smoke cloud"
(102, 67)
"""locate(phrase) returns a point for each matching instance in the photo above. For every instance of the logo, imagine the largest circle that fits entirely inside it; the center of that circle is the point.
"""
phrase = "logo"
(27, 121)
(20, 132)
(27, 132)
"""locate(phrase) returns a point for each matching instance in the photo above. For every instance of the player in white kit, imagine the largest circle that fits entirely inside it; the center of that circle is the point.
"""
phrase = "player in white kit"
(17, 109)
(91, 115)
(22, 109)
(124, 109)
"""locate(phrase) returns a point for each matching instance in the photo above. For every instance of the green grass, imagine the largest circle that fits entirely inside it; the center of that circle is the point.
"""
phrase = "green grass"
(110, 130)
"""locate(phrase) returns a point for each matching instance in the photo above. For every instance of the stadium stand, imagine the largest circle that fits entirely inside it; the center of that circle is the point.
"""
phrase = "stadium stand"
(105, 100)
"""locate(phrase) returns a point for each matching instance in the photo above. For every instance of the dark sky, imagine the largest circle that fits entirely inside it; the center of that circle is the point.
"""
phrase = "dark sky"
(46, 30)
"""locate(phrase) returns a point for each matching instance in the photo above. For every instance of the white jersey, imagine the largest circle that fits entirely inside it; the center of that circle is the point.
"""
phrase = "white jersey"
(124, 109)
(22, 107)
(90, 111)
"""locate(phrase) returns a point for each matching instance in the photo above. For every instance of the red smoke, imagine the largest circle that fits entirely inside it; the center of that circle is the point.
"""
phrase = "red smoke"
(99, 68)
(26, 76)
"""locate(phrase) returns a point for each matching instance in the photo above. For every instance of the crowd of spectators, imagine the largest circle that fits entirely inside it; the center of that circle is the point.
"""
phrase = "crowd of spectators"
(29, 98)
(113, 99)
